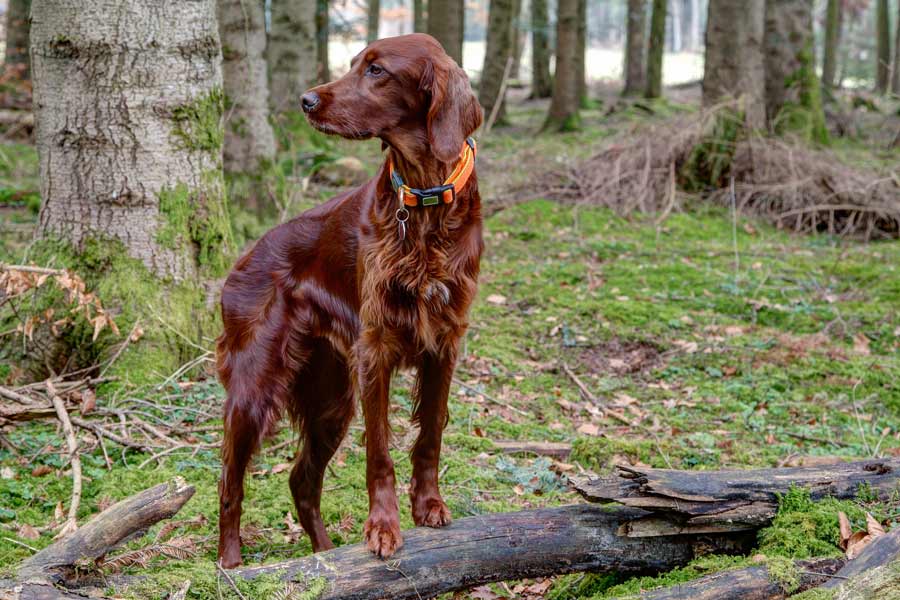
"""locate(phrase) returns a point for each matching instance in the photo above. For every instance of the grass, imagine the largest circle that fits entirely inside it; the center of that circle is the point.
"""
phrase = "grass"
(733, 347)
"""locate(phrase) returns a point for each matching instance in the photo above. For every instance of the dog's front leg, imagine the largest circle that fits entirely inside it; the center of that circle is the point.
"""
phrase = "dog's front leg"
(374, 368)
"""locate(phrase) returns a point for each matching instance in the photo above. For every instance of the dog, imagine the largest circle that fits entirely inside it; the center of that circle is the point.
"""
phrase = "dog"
(326, 307)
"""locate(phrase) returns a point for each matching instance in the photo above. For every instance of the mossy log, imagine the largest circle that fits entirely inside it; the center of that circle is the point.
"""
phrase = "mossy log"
(729, 500)
(875, 573)
(105, 531)
(498, 547)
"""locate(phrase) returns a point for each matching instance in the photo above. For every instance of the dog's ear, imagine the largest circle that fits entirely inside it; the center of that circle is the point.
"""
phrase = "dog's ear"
(454, 113)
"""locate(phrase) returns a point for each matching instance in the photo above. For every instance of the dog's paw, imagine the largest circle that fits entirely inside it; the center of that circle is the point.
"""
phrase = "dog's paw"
(432, 512)
(383, 536)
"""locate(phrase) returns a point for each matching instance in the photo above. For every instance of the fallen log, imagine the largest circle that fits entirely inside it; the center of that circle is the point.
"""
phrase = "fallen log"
(558, 450)
(105, 531)
(498, 547)
(730, 500)
(875, 573)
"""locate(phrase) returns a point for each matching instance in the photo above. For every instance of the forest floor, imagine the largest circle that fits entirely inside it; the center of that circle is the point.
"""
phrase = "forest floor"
(725, 342)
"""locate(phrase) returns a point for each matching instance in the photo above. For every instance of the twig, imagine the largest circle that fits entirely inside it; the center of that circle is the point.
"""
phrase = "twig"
(737, 256)
(23, 544)
(818, 440)
(98, 430)
(589, 396)
(499, 100)
(121, 348)
(494, 400)
(72, 442)
(31, 269)
(229, 580)
(16, 396)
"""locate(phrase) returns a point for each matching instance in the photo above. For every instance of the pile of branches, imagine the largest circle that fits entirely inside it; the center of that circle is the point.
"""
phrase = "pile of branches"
(657, 168)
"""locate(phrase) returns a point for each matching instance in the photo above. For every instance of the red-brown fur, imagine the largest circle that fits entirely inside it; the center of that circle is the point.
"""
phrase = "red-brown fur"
(324, 308)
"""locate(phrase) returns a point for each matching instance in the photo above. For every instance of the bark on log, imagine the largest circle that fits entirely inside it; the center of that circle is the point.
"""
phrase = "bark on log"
(751, 583)
(872, 566)
(497, 547)
(107, 530)
(559, 450)
(733, 500)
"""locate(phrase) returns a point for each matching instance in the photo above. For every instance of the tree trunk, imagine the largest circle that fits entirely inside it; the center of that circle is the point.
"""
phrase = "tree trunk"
(323, 23)
(636, 48)
(676, 25)
(734, 67)
(581, 55)
(696, 29)
(895, 77)
(517, 40)
(883, 52)
(128, 108)
(445, 24)
(249, 141)
(374, 19)
(793, 95)
(832, 43)
(291, 53)
(420, 23)
(655, 47)
(563, 114)
(17, 27)
(541, 81)
(496, 55)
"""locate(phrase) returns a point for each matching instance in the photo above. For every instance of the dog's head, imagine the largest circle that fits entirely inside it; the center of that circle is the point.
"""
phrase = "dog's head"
(405, 90)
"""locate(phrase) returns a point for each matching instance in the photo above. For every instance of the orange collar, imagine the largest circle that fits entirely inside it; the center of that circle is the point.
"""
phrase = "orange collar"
(446, 192)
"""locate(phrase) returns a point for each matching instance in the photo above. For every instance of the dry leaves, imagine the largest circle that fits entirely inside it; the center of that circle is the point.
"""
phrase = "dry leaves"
(496, 299)
(853, 542)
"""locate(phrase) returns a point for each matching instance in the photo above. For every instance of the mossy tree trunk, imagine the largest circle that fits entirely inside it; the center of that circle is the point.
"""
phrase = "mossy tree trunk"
(420, 24)
(563, 113)
(655, 47)
(497, 54)
(323, 25)
(541, 81)
(446, 24)
(581, 55)
(734, 67)
(793, 95)
(291, 52)
(128, 107)
(249, 140)
(883, 50)
(17, 28)
(832, 43)
(635, 48)
(373, 21)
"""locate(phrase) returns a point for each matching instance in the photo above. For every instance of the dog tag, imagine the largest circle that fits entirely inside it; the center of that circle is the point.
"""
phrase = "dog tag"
(402, 216)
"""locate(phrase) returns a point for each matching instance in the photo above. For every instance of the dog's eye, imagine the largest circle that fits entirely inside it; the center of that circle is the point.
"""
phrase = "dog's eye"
(374, 70)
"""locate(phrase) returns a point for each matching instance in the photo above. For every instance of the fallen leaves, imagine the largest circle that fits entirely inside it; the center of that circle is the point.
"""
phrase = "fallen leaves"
(497, 299)
(853, 542)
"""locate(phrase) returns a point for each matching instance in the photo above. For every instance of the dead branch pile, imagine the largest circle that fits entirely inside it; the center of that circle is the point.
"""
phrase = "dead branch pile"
(784, 181)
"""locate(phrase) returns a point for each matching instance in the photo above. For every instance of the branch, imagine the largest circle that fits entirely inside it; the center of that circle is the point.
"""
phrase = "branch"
(71, 523)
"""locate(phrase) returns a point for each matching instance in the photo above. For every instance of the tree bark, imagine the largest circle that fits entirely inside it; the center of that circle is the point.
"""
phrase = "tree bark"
(323, 24)
(883, 51)
(249, 140)
(496, 547)
(374, 19)
(872, 574)
(581, 55)
(895, 77)
(291, 52)
(733, 67)
(445, 24)
(18, 25)
(832, 43)
(730, 500)
(636, 48)
(563, 113)
(541, 81)
(420, 22)
(128, 111)
(517, 40)
(655, 47)
(751, 583)
(497, 52)
(107, 530)
(793, 95)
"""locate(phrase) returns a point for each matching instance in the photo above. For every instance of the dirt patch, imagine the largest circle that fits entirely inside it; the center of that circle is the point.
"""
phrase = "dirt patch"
(620, 357)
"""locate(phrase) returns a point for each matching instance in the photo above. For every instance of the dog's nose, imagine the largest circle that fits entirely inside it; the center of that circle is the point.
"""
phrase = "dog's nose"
(309, 101)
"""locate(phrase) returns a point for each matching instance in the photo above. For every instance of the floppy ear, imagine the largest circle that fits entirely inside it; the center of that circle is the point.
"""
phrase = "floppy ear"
(454, 113)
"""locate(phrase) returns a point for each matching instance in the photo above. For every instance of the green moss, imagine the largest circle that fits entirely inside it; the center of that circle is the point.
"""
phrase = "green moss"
(805, 116)
(710, 161)
(198, 124)
(815, 594)
(783, 571)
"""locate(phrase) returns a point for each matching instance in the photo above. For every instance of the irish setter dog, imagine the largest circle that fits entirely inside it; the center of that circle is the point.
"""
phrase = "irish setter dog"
(325, 308)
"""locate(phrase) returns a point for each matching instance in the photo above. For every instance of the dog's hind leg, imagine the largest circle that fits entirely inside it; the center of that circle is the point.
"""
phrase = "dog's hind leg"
(322, 410)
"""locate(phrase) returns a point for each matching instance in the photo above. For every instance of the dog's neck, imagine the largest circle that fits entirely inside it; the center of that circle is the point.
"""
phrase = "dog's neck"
(414, 161)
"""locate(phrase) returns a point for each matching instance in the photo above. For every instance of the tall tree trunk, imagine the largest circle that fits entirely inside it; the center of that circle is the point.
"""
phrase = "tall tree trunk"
(563, 114)
(291, 53)
(676, 25)
(249, 141)
(581, 55)
(445, 24)
(696, 29)
(420, 24)
(323, 23)
(128, 105)
(883, 52)
(541, 81)
(374, 19)
(17, 26)
(832, 43)
(636, 48)
(734, 67)
(497, 54)
(895, 77)
(517, 41)
(793, 95)
(655, 48)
